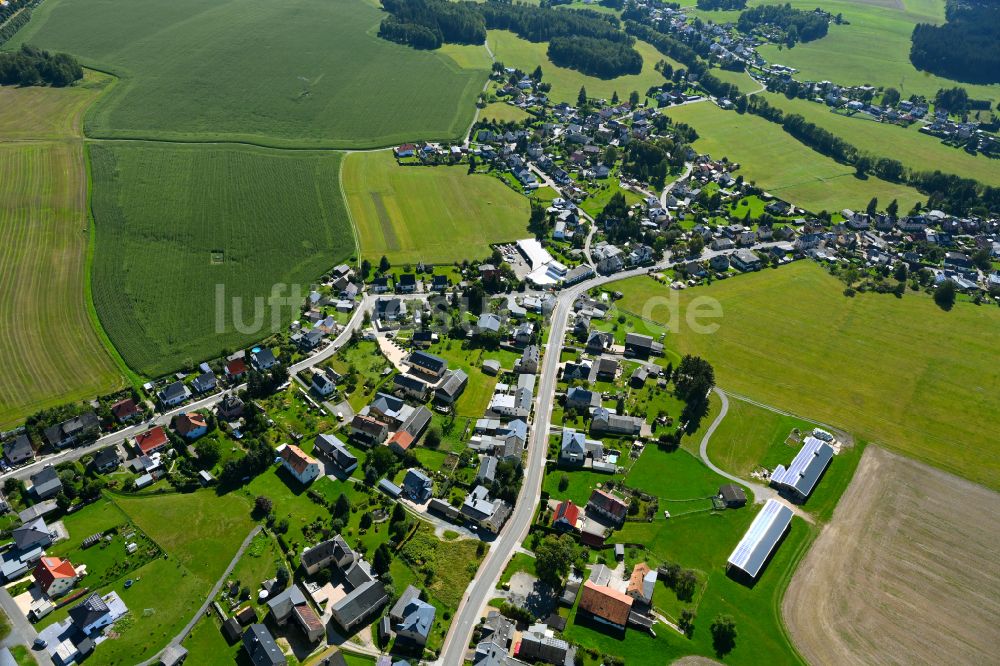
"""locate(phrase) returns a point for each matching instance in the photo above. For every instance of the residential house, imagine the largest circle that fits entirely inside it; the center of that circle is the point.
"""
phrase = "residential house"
(733, 496)
(572, 450)
(361, 604)
(407, 283)
(236, 369)
(55, 576)
(566, 516)
(417, 486)
(46, 483)
(261, 648)
(291, 603)
(488, 323)
(528, 363)
(642, 583)
(745, 260)
(417, 620)
(641, 346)
(719, 262)
(299, 464)
(18, 451)
(333, 551)
(608, 258)
(71, 431)
(605, 605)
(539, 644)
(484, 512)
(427, 365)
(230, 409)
(262, 359)
(524, 333)
(598, 342)
(452, 387)
(106, 460)
(125, 410)
(369, 429)
(605, 369)
(322, 385)
(605, 421)
(173, 394)
(332, 448)
(204, 382)
(607, 505)
(411, 386)
(96, 612)
(191, 425)
(152, 441)
(583, 399)
(487, 470)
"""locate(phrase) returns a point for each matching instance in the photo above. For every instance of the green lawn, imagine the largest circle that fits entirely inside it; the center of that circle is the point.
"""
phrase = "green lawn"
(177, 225)
(581, 483)
(503, 112)
(897, 372)
(430, 214)
(513, 51)
(678, 475)
(914, 149)
(518, 563)
(782, 165)
(602, 191)
(295, 74)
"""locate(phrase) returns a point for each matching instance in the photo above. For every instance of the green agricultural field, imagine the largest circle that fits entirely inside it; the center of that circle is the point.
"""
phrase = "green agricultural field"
(914, 149)
(173, 223)
(431, 214)
(781, 164)
(897, 372)
(874, 49)
(50, 353)
(296, 73)
(513, 51)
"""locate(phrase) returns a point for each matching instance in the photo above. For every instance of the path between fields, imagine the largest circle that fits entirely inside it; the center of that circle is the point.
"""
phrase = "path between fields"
(761, 493)
(189, 627)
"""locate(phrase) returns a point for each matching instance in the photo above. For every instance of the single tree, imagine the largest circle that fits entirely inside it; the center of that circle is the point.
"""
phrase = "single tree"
(383, 264)
(633, 98)
(723, 634)
(944, 295)
(581, 98)
(872, 206)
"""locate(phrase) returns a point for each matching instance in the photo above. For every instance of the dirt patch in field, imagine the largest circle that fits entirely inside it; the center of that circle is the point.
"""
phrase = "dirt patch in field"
(695, 661)
(906, 572)
(385, 222)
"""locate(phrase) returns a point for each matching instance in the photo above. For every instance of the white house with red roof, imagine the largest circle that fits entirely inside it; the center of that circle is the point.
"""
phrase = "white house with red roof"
(55, 576)
(299, 464)
(151, 441)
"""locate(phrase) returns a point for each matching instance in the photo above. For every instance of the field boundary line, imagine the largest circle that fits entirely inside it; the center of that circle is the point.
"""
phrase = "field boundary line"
(88, 292)
(347, 207)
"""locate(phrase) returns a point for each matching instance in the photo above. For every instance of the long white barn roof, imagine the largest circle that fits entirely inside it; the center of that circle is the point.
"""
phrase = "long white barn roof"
(761, 537)
(803, 473)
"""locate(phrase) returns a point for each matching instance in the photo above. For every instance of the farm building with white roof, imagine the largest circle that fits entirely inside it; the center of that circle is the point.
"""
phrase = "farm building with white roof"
(761, 538)
(803, 473)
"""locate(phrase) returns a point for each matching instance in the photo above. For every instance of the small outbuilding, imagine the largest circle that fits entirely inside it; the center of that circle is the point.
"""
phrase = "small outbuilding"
(733, 495)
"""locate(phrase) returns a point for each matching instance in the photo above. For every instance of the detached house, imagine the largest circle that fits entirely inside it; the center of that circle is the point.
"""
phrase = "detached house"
(331, 447)
(299, 464)
(607, 505)
(18, 450)
(125, 410)
(55, 576)
(173, 394)
(263, 359)
(191, 426)
(46, 483)
(151, 441)
(72, 430)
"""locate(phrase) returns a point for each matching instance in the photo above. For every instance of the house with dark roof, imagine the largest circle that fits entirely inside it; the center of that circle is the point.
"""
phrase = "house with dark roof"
(581, 398)
(488, 514)
(205, 382)
(46, 483)
(427, 364)
(106, 460)
(18, 451)
(263, 359)
(733, 495)
(96, 612)
(71, 431)
(368, 429)
(291, 603)
(261, 648)
(360, 604)
(417, 620)
(604, 421)
(333, 551)
(607, 505)
(411, 386)
(322, 384)
(230, 409)
(417, 486)
(173, 394)
(641, 346)
(332, 448)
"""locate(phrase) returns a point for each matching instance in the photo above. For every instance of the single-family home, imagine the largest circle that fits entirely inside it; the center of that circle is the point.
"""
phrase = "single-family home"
(417, 620)
(204, 382)
(18, 451)
(566, 516)
(299, 464)
(427, 365)
(125, 410)
(151, 441)
(417, 486)
(605, 605)
(236, 368)
(73, 430)
(411, 386)
(335, 552)
(573, 450)
(745, 260)
(641, 346)
(261, 648)
(322, 384)
(452, 387)
(262, 358)
(292, 603)
(191, 425)
(46, 483)
(335, 450)
(55, 576)
(173, 394)
(607, 505)
(106, 460)
(362, 603)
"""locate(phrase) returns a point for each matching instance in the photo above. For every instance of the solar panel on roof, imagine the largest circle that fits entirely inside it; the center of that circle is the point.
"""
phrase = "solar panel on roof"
(804, 471)
(761, 537)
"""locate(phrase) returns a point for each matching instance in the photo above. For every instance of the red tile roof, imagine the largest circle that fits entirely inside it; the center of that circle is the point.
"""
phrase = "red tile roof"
(124, 409)
(635, 580)
(609, 503)
(151, 440)
(568, 512)
(606, 603)
(296, 458)
(49, 569)
(236, 367)
(402, 439)
(189, 422)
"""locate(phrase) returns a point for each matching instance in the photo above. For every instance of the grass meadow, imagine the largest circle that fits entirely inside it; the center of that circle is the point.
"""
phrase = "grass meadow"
(304, 73)
(50, 352)
(513, 51)
(503, 112)
(782, 165)
(430, 214)
(173, 222)
(914, 149)
(897, 372)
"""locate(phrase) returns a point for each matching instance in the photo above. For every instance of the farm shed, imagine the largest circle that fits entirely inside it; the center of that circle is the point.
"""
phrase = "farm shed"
(803, 473)
(761, 538)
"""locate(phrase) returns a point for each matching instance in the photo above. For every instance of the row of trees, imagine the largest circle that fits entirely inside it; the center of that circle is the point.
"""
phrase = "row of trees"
(30, 66)
(964, 48)
(426, 24)
(595, 57)
(797, 24)
(539, 24)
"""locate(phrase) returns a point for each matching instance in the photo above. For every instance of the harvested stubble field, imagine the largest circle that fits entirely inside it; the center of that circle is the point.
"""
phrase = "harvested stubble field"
(432, 214)
(174, 222)
(49, 352)
(300, 73)
(906, 572)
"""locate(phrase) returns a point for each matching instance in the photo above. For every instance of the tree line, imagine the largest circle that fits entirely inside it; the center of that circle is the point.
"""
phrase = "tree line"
(965, 48)
(426, 24)
(595, 57)
(30, 66)
(797, 24)
(948, 192)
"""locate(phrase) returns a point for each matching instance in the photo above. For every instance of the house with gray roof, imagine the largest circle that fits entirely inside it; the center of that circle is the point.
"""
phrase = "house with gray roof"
(46, 483)
(359, 605)
(415, 626)
(335, 450)
(18, 450)
(261, 648)
(417, 485)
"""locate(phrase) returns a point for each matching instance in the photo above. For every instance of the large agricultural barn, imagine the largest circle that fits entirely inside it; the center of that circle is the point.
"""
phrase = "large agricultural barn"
(761, 538)
(804, 471)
